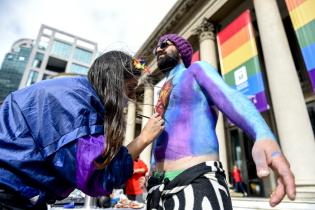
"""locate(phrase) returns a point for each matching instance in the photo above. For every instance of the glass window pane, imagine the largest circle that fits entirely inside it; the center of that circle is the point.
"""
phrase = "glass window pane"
(43, 43)
(10, 56)
(83, 56)
(47, 31)
(75, 68)
(47, 76)
(87, 45)
(61, 49)
(37, 62)
(64, 37)
(32, 77)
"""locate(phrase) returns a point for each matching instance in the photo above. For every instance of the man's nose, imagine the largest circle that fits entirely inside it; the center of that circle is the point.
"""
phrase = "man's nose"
(158, 50)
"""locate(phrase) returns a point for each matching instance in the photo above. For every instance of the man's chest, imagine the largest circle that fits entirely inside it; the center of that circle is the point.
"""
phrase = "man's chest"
(177, 92)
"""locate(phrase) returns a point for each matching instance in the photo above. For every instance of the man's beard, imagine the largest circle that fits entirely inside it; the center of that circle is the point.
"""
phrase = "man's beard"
(168, 62)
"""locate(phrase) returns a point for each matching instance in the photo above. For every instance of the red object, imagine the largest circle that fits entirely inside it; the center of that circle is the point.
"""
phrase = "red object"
(195, 57)
(133, 186)
(164, 97)
(234, 27)
(237, 175)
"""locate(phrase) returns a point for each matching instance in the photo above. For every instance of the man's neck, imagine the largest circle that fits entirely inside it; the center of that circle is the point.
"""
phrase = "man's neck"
(172, 71)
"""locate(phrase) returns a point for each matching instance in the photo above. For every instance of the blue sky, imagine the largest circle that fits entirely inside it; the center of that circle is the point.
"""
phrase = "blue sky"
(113, 24)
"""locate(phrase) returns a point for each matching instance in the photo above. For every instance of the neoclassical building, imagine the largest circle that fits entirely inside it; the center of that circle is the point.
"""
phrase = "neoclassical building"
(265, 49)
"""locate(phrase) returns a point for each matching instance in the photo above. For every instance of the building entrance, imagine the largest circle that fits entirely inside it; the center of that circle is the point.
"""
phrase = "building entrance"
(240, 147)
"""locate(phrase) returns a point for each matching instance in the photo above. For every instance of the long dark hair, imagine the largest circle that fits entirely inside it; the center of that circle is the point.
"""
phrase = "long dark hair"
(107, 75)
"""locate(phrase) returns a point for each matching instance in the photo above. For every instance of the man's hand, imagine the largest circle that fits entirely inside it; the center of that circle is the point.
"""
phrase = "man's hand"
(266, 153)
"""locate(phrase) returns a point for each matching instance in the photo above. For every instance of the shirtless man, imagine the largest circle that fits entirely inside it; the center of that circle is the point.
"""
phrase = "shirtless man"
(189, 175)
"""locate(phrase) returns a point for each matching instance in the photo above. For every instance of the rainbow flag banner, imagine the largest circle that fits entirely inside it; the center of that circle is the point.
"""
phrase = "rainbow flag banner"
(195, 57)
(302, 14)
(240, 66)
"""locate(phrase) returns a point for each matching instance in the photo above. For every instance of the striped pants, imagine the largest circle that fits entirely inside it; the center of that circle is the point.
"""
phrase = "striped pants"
(201, 187)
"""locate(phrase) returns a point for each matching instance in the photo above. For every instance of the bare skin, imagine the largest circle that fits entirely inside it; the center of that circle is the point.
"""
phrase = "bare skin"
(153, 128)
(266, 151)
(266, 154)
(184, 163)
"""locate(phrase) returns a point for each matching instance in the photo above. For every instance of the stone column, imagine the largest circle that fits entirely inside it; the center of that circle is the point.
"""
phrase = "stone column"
(130, 122)
(208, 53)
(292, 120)
(147, 110)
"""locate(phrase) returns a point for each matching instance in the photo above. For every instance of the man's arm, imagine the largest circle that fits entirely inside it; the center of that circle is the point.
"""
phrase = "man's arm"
(241, 111)
(231, 102)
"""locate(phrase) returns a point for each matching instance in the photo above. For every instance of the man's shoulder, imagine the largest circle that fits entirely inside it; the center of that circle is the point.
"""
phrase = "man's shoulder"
(200, 64)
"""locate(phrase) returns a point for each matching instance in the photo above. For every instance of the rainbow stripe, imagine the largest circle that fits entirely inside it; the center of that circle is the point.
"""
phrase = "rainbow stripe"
(302, 13)
(195, 57)
(239, 61)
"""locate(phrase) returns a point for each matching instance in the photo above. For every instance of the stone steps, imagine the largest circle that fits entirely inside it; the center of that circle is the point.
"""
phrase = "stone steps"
(249, 203)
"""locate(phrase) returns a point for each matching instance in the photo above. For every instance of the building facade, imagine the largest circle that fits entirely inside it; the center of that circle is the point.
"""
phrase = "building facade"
(249, 40)
(57, 52)
(13, 66)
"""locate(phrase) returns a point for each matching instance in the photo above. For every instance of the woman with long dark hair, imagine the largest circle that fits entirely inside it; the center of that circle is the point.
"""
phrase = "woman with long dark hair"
(67, 133)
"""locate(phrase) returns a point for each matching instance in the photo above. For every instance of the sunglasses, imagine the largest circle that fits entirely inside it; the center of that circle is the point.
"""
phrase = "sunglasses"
(162, 45)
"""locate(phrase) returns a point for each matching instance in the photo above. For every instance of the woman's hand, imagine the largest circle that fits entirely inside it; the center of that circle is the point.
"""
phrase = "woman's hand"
(152, 129)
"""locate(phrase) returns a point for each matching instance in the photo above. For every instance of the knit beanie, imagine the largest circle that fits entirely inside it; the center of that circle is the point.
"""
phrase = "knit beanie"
(182, 45)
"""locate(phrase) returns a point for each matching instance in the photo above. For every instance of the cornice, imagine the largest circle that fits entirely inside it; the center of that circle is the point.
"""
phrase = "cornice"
(167, 25)
(182, 19)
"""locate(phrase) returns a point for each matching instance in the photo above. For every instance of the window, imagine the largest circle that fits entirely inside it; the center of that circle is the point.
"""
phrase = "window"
(85, 44)
(47, 31)
(21, 58)
(37, 62)
(75, 68)
(64, 37)
(10, 57)
(17, 49)
(56, 65)
(61, 49)
(46, 76)
(32, 77)
(82, 56)
(43, 43)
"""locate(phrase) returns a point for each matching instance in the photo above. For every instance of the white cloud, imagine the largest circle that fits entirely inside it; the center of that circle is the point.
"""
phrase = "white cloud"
(106, 22)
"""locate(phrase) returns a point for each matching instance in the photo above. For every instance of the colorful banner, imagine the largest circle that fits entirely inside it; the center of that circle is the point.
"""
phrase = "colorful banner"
(240, 66)
(302, 13)
(195, 57)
